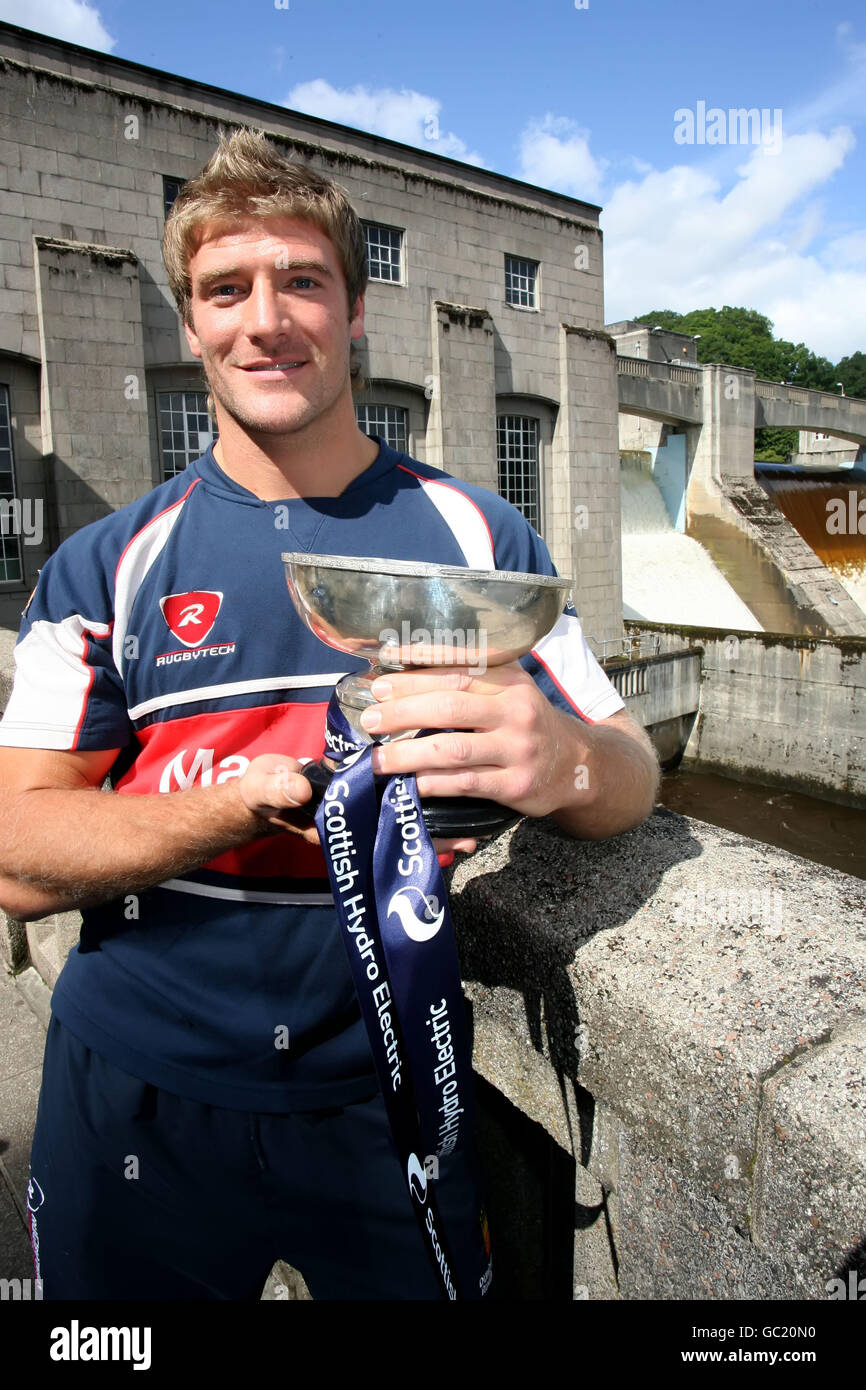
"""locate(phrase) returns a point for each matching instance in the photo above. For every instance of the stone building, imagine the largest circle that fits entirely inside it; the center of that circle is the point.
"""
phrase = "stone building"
(484, 354)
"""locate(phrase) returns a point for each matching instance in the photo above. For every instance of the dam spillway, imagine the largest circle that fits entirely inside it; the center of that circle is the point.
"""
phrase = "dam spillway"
(667, 576)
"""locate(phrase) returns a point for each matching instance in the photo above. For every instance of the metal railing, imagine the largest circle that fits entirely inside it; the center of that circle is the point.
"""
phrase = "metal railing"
(635, 647)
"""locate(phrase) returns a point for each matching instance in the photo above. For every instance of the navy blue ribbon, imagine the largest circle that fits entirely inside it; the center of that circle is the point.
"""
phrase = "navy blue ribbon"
(392, 907)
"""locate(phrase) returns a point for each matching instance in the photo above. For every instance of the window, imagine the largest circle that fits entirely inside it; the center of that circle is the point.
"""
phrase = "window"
(388, 421)
(521, 278)
(384, 252)
(10, 541)
(185, 429)
(517, 459)
(170, 190)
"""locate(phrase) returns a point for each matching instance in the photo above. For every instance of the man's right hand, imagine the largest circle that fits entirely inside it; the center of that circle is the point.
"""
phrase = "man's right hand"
(271, 787)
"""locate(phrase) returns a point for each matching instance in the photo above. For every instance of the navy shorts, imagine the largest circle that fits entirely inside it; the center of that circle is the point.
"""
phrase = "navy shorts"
(137, 1193)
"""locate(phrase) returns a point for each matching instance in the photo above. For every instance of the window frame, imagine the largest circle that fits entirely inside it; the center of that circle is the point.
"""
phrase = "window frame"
(535, 307)
(184, 391)
(538, 422)
(166, 180)
(20, 582)
(387, 405)
(369, 225)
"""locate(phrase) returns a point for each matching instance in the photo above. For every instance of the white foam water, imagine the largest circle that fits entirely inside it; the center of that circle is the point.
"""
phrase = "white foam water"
(668, 577)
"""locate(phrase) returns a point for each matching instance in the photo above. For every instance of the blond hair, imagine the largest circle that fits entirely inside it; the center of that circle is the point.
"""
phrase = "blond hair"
(247, 176)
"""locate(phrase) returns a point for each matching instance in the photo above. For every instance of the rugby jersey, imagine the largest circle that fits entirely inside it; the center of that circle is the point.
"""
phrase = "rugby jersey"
(166, 630)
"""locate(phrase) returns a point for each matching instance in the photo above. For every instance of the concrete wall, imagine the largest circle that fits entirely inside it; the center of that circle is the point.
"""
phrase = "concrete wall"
(658, 688)
(681, 1011)
(87, 138)
(638, 340)
(586, 472)
(780, 710)
(94, 424)
(658, 391)
(824, 450)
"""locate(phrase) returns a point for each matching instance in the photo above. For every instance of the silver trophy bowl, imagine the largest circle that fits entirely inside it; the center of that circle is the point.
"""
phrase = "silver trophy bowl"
(400, 614)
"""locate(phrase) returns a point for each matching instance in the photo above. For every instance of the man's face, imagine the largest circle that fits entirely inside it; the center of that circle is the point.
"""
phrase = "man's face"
(271, 323)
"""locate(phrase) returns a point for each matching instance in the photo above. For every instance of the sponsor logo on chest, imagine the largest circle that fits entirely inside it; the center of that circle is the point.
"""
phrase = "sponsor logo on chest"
(190, 618)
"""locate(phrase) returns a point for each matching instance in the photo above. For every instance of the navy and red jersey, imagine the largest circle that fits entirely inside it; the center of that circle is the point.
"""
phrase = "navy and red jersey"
(166, 631)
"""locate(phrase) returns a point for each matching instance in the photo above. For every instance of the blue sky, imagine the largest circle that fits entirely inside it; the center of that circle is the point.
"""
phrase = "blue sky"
(585, 101)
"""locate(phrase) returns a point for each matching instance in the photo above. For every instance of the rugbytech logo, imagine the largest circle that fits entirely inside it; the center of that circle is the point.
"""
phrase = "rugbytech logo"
(191, 616)
(414, 927)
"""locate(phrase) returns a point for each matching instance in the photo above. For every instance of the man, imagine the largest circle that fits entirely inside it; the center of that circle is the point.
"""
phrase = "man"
(208, 1101)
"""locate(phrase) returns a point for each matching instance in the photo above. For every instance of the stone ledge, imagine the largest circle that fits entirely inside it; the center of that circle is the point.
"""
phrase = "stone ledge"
(688, 1011)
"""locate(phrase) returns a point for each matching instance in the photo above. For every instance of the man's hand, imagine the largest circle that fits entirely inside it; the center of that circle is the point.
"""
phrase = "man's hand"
(505, 741)
(273, 785)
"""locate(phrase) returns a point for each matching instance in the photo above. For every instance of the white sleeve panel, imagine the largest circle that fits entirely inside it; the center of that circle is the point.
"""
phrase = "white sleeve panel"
(569, 662)
(142, 551)
(464, 518)
(53, 681)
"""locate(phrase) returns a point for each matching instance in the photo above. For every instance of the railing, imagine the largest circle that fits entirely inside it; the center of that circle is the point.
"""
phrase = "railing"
(800, 395)
(632, 366)
(687, 375)
(634, 647)
(629, 680)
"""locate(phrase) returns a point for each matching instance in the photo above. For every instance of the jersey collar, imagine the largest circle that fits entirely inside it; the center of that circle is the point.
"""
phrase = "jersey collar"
(218, 481)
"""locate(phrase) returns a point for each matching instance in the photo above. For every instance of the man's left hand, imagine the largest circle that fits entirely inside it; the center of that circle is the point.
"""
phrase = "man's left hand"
(502, 739)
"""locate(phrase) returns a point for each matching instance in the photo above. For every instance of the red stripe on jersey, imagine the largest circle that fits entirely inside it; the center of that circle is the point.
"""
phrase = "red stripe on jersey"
(164, 512)
(561, 688)
(451, 488)
(91, 673)
(203, 750)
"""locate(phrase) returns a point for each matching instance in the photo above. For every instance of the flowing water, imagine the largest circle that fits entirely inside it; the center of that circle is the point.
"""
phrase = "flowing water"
(668, 577)
(829, 511)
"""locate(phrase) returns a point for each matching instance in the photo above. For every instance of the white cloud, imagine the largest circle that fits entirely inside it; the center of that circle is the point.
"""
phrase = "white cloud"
(554, 153)
(72, 20)
(408, 116)
(676, 239)
(847, 250)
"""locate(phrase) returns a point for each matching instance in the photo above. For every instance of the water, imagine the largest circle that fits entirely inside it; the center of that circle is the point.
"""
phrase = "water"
(827, 512)
(817, 830)
(668, 577)
(755, 578)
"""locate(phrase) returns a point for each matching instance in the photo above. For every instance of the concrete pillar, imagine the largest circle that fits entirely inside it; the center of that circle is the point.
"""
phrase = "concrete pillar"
(94, 398)
(461, 428)
(585, 537)
(725, 446)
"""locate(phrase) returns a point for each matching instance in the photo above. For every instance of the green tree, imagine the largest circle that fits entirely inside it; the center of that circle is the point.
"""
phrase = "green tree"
(744, 338)
(775, 445)
(851, 371)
